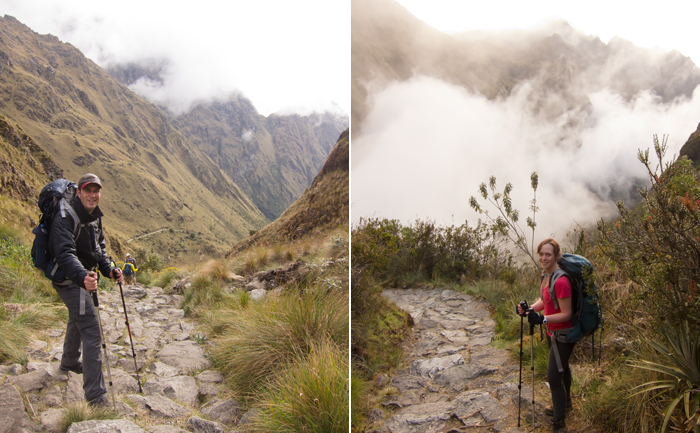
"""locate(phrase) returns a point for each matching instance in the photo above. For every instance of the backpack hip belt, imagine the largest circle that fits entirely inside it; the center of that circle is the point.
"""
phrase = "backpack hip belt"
(560, 336)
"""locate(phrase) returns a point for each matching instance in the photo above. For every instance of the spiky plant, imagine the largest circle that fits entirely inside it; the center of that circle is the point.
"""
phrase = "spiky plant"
(681, 369)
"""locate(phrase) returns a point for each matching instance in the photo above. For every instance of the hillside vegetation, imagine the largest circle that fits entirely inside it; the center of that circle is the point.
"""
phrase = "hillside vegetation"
(645, 267)
(273, 315)
(166, 190)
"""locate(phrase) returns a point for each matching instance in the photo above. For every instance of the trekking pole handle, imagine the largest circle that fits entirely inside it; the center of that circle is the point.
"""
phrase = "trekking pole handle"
(524, 307)
(95, 302)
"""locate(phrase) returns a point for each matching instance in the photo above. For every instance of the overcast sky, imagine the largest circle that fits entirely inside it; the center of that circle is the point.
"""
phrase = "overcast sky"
(282, 55)
(667, 25)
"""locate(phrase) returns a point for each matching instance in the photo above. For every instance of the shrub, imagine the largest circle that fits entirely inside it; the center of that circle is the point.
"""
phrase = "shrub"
(203, 293)
(680, 368)
(144, 277)
(19, 281)
(378, 328)
(152, 262)
(18, 321)
(216, 270)
(390, 251)
(658, 244)
(165, 279)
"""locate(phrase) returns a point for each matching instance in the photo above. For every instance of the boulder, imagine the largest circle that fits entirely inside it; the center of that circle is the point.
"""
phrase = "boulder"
(225, 411)
(51, 420)
(185, 355)
(32, 381)
(200, 425)
(12, 414)
(164, 407)
(105, 426)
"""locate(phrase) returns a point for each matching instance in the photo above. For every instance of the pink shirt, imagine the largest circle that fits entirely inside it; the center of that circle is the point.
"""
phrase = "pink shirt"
(562, 289)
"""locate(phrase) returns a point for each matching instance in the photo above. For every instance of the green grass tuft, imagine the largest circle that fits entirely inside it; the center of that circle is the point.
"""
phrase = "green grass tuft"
(311, 395)
(78, 412)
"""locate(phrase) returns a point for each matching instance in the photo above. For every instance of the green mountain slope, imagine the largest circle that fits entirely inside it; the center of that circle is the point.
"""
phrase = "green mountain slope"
(323, 207)
(85, 121)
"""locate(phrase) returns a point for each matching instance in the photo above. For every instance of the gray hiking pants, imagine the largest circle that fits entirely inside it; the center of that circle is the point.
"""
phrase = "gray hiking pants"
(86, 329)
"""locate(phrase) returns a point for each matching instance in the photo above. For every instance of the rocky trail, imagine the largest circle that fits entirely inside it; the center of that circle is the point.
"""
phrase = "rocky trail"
(181, 391)
(454, 380)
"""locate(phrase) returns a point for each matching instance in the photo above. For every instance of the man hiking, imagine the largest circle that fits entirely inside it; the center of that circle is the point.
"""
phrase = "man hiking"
(79, 256)
(129, 270)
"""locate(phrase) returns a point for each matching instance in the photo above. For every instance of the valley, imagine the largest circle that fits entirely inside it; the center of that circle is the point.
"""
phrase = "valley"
(198, 174)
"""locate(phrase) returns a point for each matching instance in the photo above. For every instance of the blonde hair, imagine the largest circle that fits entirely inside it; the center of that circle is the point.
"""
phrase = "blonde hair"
(553, 243)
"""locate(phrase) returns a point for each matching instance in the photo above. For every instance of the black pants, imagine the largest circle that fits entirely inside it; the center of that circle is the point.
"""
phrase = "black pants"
(559, 383)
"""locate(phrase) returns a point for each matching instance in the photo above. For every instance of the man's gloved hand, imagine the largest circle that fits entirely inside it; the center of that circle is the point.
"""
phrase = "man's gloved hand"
(117, 275)
(535, 318)
(521, 309)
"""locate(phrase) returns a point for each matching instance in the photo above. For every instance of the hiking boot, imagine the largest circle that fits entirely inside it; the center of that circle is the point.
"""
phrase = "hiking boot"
(100, 401)
(549, 410)
(560, 426)
(77, 368)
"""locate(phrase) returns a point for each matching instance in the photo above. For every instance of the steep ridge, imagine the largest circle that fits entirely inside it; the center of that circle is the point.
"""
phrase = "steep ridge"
(691, 148)
(562, 64)
(323, 206)
(273, 159)
(86, 121)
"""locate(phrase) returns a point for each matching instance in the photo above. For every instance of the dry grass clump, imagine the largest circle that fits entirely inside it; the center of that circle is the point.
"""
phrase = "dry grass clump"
(216, 270)
(254, 343)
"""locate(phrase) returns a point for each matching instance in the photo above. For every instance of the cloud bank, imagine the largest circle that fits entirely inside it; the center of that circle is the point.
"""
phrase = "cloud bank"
(280, 55)
(427, 145)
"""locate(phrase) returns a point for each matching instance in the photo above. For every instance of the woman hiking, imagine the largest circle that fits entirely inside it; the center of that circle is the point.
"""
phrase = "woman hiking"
(558, 321)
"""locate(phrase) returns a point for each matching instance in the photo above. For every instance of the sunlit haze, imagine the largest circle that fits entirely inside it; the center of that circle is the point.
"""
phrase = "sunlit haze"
(669, 25)
(426, 145)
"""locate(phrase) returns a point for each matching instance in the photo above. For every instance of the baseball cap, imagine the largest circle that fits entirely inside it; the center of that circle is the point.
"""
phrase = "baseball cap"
(87, 179)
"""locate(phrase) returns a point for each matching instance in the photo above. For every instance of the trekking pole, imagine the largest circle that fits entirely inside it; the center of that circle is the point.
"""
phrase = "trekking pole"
(133, 352)
(520, 381)
(532, 367)
(524, 307)
(96, 303)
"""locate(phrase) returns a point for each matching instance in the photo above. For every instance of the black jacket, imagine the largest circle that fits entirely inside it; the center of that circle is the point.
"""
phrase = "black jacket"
(76, 257)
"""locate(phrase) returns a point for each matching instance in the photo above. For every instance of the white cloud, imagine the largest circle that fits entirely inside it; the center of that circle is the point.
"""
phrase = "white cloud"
(427, 145)
(279, 54)
(247, 135)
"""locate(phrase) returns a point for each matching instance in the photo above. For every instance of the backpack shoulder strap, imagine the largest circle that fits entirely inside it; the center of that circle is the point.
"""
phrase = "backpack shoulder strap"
(558, 273)
(66, 207)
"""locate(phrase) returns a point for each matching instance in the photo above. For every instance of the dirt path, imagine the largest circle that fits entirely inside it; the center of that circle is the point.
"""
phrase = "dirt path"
(152, 233)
